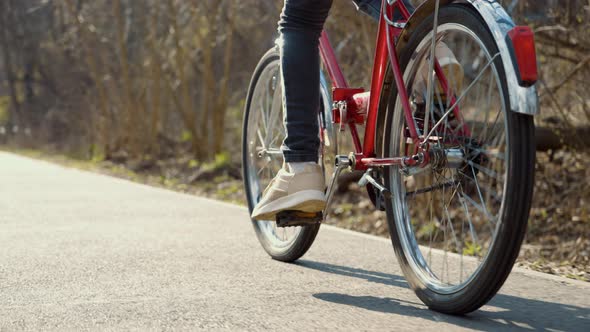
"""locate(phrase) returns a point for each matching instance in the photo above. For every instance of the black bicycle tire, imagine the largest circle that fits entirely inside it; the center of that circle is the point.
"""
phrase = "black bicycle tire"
(308, 233)
(518, 195)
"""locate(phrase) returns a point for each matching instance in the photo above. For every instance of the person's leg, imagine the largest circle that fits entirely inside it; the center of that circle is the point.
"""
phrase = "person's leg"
(299, 185)
(300, 26)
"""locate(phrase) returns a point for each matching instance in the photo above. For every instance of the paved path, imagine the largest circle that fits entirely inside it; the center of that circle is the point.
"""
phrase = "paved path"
(86, 251)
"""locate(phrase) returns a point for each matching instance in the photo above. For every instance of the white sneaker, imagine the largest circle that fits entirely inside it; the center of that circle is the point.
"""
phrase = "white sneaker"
(300, 191)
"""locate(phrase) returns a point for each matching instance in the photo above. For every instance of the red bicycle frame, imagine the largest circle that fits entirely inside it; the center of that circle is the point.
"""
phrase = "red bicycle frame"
(363, 107)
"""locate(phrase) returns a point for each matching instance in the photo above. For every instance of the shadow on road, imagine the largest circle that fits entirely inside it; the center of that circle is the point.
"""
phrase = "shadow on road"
(372, 276)
(514, 312)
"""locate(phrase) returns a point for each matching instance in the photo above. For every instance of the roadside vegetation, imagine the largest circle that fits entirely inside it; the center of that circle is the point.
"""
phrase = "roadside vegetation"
(153, 91)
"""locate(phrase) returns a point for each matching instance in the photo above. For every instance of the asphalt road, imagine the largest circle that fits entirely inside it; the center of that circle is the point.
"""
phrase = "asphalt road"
(85, 251)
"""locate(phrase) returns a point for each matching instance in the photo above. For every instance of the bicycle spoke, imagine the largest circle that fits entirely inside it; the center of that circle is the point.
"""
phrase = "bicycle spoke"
(276, 111)
(429, 86)
(261, 138)
(487, 108)
(487, 190)
(498, 140)
(446, 248)
(472, 230)
(487, 153)
(431, 223)
(451, 222)
(431, 188)
(493, 130)
(479, 207)
(465, 92)
(263, 116)
(461, 253)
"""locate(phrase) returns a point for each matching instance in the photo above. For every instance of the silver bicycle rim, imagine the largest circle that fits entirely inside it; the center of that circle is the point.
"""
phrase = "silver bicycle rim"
(265, 134)
(462, 209)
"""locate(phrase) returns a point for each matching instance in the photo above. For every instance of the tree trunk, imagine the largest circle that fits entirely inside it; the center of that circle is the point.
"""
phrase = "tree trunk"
(223, 95)
(156, 78)
(6, 26)
(102, 136)
(187, 107)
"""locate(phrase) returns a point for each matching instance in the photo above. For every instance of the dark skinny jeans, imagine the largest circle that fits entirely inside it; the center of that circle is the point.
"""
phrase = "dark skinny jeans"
(300, 26)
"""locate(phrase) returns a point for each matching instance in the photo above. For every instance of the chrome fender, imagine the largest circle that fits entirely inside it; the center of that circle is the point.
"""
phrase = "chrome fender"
(522, 99)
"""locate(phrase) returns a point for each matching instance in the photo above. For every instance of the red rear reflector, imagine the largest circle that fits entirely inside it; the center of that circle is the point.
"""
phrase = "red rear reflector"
(521, 42)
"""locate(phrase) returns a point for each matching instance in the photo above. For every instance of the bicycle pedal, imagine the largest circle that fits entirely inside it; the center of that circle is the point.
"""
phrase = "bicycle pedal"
(291, 218)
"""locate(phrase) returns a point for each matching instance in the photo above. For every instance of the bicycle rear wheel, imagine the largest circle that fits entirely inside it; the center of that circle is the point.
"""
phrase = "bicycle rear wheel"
(457, 227)
(263, 133)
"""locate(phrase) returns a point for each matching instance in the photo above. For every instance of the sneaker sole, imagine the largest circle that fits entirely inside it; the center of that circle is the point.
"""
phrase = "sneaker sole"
(309, 201)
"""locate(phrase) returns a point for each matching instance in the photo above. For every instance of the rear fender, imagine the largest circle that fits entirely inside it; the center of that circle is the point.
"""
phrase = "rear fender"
(522, 99)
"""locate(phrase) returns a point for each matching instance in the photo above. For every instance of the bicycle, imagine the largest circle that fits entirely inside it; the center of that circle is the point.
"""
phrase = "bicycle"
(450, 160)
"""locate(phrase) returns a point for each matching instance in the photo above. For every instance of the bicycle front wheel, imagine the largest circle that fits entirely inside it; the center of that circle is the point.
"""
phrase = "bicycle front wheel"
(457, 227)
(263, 134)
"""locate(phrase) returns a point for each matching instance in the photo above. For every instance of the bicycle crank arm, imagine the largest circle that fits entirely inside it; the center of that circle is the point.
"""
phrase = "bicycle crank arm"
(368, 178)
